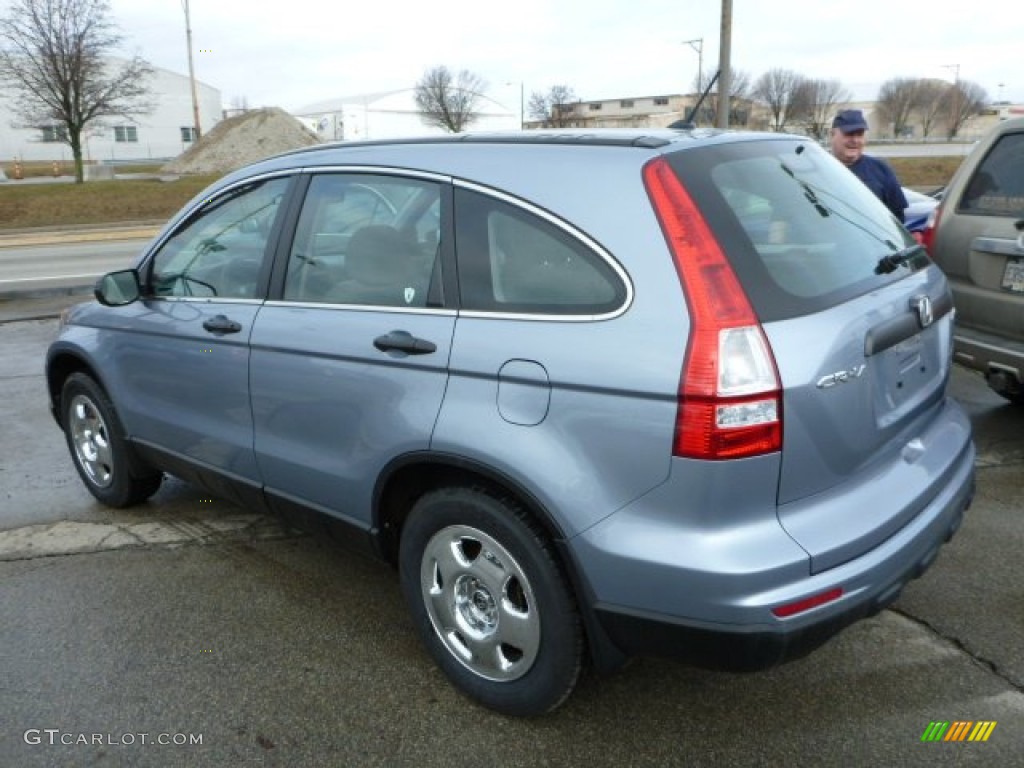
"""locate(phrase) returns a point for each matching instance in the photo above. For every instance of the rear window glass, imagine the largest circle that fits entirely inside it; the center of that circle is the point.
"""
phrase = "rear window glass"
(801, 231)
(513, 261)
(997, 186)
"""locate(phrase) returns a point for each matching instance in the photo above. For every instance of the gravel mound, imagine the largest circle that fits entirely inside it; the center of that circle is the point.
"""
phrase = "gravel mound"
(243, 139)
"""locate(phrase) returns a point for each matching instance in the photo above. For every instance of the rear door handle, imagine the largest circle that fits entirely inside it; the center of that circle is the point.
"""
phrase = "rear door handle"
(403, 341)
(219, 324)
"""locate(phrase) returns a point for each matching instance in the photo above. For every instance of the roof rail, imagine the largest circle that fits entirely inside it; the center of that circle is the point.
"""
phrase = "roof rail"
(582, 138)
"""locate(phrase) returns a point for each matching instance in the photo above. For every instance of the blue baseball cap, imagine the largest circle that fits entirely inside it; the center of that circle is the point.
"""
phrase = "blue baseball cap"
(850, 120)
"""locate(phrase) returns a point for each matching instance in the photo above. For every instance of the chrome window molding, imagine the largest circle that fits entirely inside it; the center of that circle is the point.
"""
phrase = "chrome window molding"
(204, 299)
(173, 226)
(377, 170)
(391, 308)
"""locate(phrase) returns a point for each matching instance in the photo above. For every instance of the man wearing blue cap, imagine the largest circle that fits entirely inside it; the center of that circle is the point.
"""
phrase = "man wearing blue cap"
(848, 130)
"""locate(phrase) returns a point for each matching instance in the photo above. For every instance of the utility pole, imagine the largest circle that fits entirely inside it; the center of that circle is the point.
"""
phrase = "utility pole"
(724, 66)
(698, 45)
(191, 72)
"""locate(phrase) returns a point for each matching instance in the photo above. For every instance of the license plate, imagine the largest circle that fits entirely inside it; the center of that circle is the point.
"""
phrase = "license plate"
(1013, 276)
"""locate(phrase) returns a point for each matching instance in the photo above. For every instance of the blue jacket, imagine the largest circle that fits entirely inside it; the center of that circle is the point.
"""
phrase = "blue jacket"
(880, 179)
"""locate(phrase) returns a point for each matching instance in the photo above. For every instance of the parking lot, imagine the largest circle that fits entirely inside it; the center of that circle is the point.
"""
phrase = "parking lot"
(189, 632)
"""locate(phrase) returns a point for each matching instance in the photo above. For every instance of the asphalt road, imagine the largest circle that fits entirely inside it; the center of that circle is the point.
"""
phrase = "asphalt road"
(54, 266)
(188, 619)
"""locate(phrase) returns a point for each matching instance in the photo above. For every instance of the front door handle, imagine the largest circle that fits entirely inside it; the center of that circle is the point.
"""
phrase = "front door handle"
(403, 341)
(219, 324)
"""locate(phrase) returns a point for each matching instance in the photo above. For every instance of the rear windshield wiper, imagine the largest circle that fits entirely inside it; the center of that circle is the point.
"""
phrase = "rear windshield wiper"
(892, 261)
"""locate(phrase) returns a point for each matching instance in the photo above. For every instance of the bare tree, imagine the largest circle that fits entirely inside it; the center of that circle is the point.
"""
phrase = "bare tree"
(554, 108)
(739, 98)
(54, 64)
(815, 103)
(449, 101)
(777, 88)
(963, 100)
(931, 93)
(898, 100)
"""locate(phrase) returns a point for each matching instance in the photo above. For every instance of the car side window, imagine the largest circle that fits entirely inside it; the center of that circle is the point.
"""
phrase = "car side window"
(219, 252)
(511, 260)
(997, 186)
(367, 240)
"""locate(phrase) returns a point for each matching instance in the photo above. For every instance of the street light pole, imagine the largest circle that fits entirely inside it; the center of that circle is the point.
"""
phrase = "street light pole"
(522, 113)
(522, 103)
(191, 72)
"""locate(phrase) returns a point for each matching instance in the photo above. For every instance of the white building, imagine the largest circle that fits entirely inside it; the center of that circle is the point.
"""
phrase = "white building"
(164, 133)
(390, 115)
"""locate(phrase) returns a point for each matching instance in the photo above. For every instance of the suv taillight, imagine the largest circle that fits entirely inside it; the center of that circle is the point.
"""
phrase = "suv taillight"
(730, 401)
(928, 233)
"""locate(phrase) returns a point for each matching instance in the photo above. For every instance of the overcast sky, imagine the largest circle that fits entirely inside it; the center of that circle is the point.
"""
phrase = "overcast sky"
(288, 54)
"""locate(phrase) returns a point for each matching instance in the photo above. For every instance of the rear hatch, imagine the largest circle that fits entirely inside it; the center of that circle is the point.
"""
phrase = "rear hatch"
(860, 325)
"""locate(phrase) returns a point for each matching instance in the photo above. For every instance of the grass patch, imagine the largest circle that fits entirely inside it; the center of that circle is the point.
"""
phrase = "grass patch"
(96, 202)
(924, 172)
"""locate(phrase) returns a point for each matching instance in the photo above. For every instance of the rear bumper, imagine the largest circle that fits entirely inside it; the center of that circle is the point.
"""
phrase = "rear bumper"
(987, 352)
(739, 650)
(706, 597)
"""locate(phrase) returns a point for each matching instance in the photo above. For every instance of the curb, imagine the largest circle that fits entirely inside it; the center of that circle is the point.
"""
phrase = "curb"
(82, 290)
(25, 239)
(36, 306)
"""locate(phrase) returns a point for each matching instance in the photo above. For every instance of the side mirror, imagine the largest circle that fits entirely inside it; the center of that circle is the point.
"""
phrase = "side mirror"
(117, 289)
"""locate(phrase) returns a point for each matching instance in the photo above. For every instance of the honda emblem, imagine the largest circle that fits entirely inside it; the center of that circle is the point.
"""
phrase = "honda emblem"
(923, 306)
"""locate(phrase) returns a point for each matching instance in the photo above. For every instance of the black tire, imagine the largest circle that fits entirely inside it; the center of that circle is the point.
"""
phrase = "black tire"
(1017, 398)
(503, 624)
(105, 461)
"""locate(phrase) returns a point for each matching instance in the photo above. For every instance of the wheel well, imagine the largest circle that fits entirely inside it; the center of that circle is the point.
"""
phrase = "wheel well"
(57, 372)
(406, 484)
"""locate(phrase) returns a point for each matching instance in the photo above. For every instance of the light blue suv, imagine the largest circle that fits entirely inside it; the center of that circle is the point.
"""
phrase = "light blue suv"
(594, 394)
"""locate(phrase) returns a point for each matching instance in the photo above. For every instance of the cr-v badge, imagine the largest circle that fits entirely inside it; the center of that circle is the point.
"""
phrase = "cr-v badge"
(841, 377)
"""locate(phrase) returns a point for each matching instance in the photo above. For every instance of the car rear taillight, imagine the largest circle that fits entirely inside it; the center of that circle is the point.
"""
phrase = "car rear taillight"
(928, 233)
(730, 401)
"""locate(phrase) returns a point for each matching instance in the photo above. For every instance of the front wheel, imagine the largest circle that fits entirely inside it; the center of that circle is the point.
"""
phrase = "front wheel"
(490, 602)
(102, 456)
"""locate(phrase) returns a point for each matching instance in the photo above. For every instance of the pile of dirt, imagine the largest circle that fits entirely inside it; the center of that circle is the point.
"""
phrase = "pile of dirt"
(243, 139)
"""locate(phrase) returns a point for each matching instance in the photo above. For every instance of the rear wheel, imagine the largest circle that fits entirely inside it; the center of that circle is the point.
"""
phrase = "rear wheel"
(1017, 398)
(102, 456)
(490, 602)
(1006, 386)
